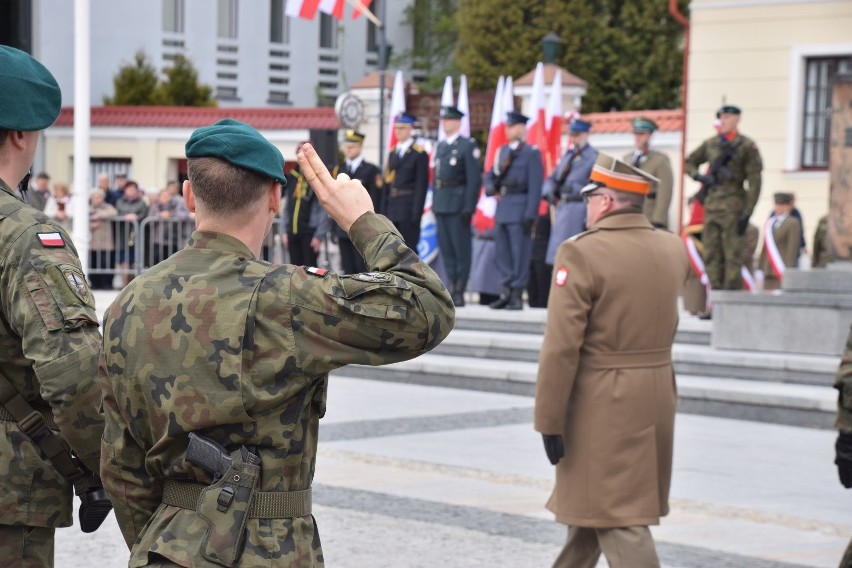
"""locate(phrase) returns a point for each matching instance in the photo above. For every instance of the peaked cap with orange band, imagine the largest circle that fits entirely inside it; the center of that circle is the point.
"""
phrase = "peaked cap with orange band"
(613, 173)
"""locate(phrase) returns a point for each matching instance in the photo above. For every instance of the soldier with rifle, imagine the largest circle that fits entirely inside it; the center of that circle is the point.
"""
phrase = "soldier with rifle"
(516, 178)
(729, 192)
(49, 342)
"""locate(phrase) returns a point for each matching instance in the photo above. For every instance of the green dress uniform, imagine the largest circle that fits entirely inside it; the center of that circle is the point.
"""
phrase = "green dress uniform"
(456, 190)
(215, 342)
(727, 205)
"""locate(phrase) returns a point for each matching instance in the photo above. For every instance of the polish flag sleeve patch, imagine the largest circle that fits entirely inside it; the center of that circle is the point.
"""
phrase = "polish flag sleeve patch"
(317, 271)
(51, 240)
(560, 276)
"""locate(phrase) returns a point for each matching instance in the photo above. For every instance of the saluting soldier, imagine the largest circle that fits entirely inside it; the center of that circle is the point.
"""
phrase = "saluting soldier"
(731, 185)
(657, 164)
(516, 179)
(370, 176)
(781, 237)
(456, 191)
(562, 187)
(605, 394)
(406, 181)
(214, 342)
(49, 339)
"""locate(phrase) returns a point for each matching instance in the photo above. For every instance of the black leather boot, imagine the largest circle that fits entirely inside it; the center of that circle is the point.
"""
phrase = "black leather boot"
(502, 301)
(515, 301)
(458, 293)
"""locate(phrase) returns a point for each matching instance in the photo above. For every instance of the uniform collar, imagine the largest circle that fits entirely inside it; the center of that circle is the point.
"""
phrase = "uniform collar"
(626, 218)
(451, 139)
(402, 147)
(353, 165)
(4, 187)
(219, 242)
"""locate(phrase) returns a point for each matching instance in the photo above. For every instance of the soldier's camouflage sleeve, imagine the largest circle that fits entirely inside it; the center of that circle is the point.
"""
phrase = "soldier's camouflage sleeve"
(843, 384)
(695, 159)
(753, 173)
(395, 312)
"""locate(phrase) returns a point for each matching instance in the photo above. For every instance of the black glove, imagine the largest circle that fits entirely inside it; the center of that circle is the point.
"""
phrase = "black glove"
(554, 447)
(527, 225)
(465, 218)
(742, 224)
(704, 179)
(843, 459)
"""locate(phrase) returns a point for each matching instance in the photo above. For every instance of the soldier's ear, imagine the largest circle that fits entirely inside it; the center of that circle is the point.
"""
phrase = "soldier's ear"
(189, 196)
(275, 198)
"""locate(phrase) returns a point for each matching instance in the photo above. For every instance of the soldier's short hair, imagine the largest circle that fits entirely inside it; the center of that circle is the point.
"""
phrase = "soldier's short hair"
(224, 188)
(629, 198)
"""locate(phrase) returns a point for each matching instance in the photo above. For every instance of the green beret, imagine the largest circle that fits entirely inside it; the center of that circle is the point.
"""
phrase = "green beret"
(642, 124)
(29, 98)
(240, 145)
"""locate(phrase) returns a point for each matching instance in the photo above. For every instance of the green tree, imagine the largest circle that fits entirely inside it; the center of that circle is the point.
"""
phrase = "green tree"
(629, 51)
(182, 88)
(137, 84)
(435, 35)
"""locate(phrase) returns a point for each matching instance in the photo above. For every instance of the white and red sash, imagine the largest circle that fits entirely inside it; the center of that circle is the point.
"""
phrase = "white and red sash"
(695, 260)
(773, 255)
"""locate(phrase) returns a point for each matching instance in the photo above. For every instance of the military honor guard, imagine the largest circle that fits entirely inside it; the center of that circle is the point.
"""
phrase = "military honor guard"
(406, 181)
(781, 237)
(658, 165)
(455, 193)
(562, 187)
(370, 176)
(730, 189)
(305, 223)
(516, 179)
(605, 394)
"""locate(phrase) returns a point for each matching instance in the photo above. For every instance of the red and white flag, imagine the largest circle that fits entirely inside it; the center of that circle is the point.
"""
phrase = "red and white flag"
(306, 9)
(536, 127)
(358, 11)
(397, 106)
(554, 124)
(446, 100)
(464, 106)
(333, 7)
(483, 218)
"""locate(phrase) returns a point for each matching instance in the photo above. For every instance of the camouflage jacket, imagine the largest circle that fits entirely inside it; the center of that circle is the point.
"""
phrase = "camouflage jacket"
(843, 383)
(746, 165)
(239, 350)
(49, 346)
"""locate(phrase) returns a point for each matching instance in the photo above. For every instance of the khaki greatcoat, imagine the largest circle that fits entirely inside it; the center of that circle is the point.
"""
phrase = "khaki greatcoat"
(660, 197)
(605, 379)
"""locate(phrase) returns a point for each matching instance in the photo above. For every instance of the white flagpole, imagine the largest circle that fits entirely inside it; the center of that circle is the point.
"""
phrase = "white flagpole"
(82, 119)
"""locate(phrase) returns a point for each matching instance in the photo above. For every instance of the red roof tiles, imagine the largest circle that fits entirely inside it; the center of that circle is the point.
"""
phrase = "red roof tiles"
(620, 122)
(194, 117)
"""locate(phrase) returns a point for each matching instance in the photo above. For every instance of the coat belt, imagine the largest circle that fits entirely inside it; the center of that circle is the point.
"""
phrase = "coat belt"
(265, 505)
(627, 359)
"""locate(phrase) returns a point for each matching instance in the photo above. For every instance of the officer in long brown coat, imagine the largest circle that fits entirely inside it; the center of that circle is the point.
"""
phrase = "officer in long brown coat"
(657, 164)
(605, 397)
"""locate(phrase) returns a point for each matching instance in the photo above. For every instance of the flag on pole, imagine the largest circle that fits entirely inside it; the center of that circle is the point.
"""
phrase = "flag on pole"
(333, 7)
(536, 127)
(486, 207)
(306, 9)
(358, 11)
(397, 106)
(446, 100)
(464, 106)
(554, 124)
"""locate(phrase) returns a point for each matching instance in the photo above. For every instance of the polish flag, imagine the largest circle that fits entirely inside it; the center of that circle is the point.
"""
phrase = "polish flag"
(537, 126)
(358, 11)
(486, 207)
(306, 9)
(554, 124)
(446, 100)
(464, 106)
(397, 106)
(333, 7)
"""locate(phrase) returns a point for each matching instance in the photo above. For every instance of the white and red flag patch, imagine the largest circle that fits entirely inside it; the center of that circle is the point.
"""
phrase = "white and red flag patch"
(561, 276)
(51, 240)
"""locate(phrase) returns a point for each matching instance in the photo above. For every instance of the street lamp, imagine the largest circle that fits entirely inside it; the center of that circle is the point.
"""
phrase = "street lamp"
(550, 45)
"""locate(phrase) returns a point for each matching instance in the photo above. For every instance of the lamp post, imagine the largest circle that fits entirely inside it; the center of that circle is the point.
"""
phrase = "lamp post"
(550, 46)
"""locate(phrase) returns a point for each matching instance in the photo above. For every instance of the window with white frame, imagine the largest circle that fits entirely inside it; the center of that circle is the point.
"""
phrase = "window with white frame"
(819, 74)
(328, 31)
(227, 19)
(279, 23)
(173, 16)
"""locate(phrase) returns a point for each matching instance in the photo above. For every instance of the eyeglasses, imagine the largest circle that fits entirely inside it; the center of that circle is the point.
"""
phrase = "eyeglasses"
(588, 197)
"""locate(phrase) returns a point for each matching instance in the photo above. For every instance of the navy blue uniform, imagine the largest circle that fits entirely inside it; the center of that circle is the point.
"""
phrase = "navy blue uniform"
(454, 197)
(371, 178)
(404, 194)
(519, 189)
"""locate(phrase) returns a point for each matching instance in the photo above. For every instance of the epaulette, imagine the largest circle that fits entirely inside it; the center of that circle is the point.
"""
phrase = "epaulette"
(579, 236)
(418, 148)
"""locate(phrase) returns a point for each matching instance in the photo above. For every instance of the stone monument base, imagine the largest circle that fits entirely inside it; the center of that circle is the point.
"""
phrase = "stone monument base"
(811, 314)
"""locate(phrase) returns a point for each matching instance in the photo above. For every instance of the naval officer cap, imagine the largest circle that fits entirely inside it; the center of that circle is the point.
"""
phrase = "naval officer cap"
(451, 112)
(514, 117)
(642, 124)
(354, 137)
(618, 175)
(578, 125)
(728, 109)
(240, 145)
(30, 98)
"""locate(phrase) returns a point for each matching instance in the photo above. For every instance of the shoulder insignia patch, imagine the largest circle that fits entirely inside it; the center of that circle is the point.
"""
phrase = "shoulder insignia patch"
(51, 240)
(75, 280)
(476, 152)
(321, 272)
(372, 277)
(561, 276)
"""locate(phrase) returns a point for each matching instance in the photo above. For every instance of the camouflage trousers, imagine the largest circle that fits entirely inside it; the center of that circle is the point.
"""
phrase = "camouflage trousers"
(26, 547)
(722, 245)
